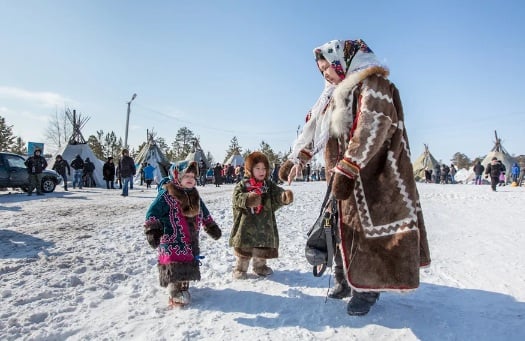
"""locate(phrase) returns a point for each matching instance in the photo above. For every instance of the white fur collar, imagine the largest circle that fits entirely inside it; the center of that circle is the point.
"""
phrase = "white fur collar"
(342, 116)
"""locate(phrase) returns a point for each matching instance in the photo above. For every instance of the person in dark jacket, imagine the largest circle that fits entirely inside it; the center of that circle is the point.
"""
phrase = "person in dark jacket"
(478, 170)
(444, 174)
(275, 173)
(493, 169)
(108, 171)
(203, 168)
(89, 168)
(437, 173)
(60, 167)
(217, 174)
(78, 165)
(428, 175)
(127, 171)
(502, 174)
(35, 166)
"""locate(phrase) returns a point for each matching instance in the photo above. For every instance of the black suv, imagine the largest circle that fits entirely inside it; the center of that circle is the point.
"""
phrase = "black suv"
(13, 173)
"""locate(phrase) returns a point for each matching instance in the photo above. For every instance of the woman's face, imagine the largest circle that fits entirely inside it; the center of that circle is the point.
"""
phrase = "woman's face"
(328, 72)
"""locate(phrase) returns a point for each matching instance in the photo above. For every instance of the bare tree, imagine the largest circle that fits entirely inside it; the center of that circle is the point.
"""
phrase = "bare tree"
(58, 130)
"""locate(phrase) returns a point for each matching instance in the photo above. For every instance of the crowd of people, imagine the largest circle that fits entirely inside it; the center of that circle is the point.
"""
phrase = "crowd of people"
(496, 170)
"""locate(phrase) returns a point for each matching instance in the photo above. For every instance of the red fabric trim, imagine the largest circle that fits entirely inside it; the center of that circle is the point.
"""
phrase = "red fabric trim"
(358, 112)
(347, 174)
(351, 163)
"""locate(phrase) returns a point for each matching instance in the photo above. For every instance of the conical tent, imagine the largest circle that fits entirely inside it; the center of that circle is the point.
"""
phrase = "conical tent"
(501, 154)
(152, 154)
(198, 154)
(235, 160)
(424, 161)
(77, 146)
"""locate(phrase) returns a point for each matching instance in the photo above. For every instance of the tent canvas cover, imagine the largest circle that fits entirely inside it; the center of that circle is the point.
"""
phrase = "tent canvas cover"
(501, 154)
(152, 154)
(77, 145)
(425, 160)
(235, 160)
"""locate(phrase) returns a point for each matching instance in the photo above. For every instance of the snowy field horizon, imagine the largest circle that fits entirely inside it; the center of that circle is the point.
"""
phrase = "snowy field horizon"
(76, 266)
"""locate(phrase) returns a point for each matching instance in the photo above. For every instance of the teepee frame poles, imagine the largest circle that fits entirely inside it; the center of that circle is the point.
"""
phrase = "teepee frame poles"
(78, 123)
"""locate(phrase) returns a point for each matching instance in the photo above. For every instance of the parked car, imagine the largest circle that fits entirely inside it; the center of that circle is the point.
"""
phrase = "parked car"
(13, 173)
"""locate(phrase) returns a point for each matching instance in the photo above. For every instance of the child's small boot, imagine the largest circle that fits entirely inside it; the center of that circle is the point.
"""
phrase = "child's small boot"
(179, 294)
(241, 267)
(260, 267)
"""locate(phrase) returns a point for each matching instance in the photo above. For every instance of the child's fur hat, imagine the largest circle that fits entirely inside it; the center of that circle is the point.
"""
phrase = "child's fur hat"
(253, 159)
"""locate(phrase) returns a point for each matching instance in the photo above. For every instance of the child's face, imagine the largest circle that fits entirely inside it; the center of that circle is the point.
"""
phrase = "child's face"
(259, 171)
(188, 180)
(328, 71)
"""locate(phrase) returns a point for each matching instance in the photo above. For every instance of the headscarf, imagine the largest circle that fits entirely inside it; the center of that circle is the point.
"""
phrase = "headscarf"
(316, 126)
(346, 57)
(178, 170)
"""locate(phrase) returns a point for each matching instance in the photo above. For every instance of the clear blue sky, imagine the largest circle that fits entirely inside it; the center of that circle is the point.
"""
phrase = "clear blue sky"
(245, 68)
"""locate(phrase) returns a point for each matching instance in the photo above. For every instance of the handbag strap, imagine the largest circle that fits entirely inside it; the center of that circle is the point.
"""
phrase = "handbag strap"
(327, 195)
(328, 229)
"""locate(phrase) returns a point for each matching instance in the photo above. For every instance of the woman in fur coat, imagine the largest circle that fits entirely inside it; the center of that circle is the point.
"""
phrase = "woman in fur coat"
(172, 226)
(255, 200)
(359, 122)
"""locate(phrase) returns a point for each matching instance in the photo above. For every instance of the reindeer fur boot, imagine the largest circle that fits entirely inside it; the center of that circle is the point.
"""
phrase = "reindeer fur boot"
(241, 267)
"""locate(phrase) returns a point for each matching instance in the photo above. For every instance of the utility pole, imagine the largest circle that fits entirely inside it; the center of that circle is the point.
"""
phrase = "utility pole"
(127, 120)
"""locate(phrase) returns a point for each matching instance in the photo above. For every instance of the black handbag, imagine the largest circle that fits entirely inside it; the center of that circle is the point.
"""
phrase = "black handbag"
(320, 244)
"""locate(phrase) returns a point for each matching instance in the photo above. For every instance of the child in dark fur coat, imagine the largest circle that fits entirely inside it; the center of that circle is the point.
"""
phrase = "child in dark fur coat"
(255, 200)
(173, 222)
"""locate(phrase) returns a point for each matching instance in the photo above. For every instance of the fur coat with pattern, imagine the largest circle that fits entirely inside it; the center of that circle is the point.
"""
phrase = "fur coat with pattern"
(180, 213)
(383, 235)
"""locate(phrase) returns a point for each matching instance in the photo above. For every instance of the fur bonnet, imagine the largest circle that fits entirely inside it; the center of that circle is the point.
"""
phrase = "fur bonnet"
(253, 159)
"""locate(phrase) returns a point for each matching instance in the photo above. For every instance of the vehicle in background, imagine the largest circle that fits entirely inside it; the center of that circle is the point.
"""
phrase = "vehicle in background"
(13, 173)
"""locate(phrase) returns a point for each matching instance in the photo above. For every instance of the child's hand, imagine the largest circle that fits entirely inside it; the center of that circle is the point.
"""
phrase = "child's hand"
(213, 231)
(253, 200)
(153, 232)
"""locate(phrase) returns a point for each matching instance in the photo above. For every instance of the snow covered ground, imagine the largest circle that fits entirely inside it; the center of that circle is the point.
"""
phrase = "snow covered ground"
(75, 265)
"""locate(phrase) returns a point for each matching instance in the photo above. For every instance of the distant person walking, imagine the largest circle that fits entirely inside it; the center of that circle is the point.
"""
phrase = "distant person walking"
(78, 165)
(203, 168)
(478, 171)
(148, 171)
(217, 174)
(493, 170)
(35, 166)
(437, 173)
(89, 168)
(127, 171)
(108, 171)
(502, 174)
(453, 172)
(515, 172)
(60, 167)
